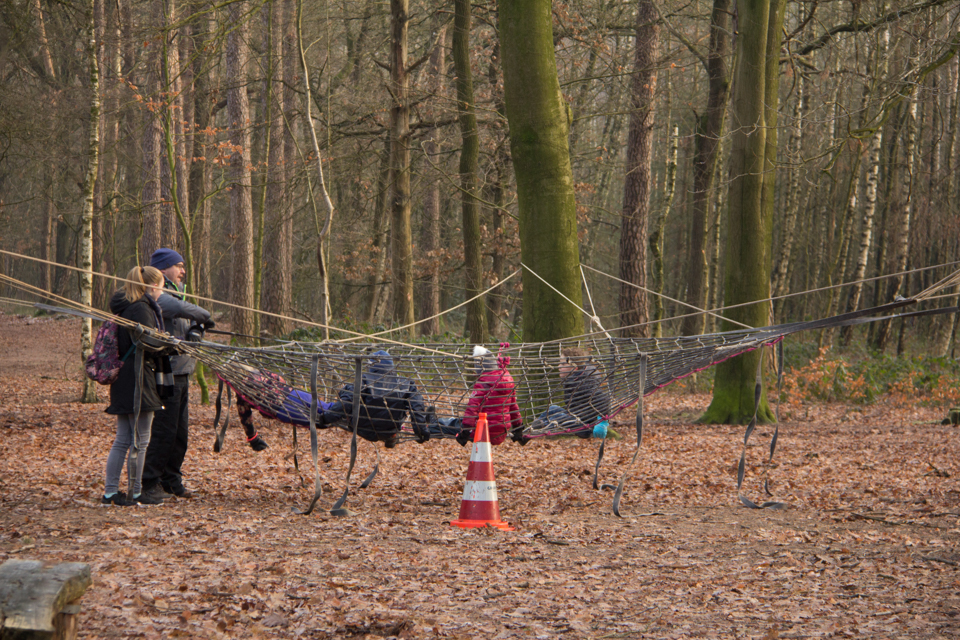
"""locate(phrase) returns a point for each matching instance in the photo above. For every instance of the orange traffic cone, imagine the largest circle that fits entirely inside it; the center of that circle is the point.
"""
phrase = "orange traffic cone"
(479, 507)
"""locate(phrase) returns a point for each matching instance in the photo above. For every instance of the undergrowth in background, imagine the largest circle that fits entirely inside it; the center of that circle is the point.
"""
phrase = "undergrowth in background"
(866, 378)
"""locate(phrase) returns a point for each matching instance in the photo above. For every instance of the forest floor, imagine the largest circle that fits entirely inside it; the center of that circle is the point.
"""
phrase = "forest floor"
(867, 546)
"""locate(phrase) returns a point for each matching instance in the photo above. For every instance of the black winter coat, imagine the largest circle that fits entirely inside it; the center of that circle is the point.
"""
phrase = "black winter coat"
(585, 394)
(145, 312)
(386, 398)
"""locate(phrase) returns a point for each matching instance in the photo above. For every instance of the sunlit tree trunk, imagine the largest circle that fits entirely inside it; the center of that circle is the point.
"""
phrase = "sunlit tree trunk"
(89, 393)
(469, 157)
(709, 135)
(541, 158)
(637, 183)
(241, 203)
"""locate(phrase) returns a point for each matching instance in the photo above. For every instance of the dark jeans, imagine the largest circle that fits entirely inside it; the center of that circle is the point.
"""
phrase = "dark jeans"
(168, 441)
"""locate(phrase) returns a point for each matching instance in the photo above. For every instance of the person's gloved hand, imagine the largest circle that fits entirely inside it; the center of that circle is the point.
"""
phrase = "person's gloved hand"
(465, 436)
(194, 333)
(517, 436)
(209, 324)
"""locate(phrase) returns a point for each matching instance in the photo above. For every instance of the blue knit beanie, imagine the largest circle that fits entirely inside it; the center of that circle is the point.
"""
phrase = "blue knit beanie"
(163, 258)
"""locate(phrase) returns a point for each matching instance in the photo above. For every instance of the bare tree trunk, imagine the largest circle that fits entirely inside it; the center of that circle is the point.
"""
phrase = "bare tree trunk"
(43, 45)
(870, 188)
(947, 334)
(794, 144)
(278, 231)
(637, 185)
(324, 231)
(241, 202)
(174, 190)
(151, 208)
(469, 157)
(401, 232)
(429, 298)
(201, 174)
(381, 231)
(656, 238)
(902, 237)
(705, 163)
(89, 393)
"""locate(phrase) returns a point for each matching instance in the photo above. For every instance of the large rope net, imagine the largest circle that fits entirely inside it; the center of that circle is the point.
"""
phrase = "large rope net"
(289, 381)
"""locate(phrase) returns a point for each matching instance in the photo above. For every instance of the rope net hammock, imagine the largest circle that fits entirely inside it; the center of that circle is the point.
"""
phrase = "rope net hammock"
(295, 382)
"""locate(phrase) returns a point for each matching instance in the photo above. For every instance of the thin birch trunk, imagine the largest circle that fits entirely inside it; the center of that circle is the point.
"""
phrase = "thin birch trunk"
(902, 229)
(89, 392)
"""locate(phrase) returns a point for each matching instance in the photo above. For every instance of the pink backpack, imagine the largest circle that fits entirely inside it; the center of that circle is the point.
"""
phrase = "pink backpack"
(104, 364)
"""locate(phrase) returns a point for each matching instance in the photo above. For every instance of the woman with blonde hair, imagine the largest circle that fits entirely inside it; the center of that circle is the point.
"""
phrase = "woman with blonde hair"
(134, 395)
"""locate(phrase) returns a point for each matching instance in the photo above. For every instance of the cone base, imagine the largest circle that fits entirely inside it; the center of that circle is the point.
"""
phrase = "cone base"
(478, 524)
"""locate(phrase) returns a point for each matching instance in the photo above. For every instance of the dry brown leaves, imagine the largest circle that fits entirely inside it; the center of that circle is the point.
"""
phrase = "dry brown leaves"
(866, 547)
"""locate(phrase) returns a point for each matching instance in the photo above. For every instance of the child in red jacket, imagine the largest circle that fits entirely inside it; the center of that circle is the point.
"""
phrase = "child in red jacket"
(494, 393)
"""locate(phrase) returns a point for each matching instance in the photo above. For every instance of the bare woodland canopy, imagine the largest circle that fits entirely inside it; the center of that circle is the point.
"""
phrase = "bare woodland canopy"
(203, 145)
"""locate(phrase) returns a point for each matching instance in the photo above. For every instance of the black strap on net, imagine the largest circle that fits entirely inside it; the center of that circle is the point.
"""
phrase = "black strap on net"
(314, 446)
(741, 467)
(642, 383)
(338, 508)
(222, 434)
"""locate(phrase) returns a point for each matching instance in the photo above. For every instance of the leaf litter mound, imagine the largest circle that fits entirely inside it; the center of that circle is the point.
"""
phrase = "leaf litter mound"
(867, 546)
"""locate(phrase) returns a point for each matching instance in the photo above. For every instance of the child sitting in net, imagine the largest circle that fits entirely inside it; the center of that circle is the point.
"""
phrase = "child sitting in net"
(585, 396)
(273, 398)
(493, 393)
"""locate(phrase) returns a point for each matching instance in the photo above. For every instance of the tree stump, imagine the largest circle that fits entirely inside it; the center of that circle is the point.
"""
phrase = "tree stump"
(37, 601)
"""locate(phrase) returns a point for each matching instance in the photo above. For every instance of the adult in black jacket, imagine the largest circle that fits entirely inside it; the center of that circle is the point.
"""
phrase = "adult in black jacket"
(386, 399)
(163, 473)
(137, 302)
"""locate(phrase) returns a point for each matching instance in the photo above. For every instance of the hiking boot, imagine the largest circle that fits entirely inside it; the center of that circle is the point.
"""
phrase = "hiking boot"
(258, 444)
(392, 441)
(182, 492)
(464, 437)
(119, 499)
(157, 492)
(144, 498)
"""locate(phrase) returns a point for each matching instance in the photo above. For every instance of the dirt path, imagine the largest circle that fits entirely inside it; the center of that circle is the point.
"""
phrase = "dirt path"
(867, 546)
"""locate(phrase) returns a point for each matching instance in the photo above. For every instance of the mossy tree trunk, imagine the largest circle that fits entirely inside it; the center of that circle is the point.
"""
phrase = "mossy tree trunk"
(748, 248)
(539, 124)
